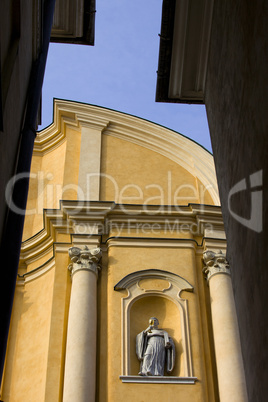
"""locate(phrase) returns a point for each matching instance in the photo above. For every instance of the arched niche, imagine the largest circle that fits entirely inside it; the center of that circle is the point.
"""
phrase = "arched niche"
(168, 315)
(155, 293)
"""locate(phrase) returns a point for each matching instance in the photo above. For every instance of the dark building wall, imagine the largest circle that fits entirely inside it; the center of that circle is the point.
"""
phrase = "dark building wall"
(236, 103)
(17, 53)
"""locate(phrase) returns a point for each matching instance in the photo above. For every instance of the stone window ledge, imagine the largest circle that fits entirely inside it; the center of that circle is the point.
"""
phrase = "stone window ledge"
(157, 379)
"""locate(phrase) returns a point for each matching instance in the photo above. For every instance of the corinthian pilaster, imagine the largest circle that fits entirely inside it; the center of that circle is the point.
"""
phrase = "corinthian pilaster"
(231, 379)
(80, 361)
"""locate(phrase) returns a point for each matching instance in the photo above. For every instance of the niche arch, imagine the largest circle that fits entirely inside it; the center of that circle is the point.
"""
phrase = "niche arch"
(144, 287)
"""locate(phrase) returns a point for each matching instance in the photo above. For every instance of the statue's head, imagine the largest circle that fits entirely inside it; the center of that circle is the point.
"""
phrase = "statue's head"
(154, 322)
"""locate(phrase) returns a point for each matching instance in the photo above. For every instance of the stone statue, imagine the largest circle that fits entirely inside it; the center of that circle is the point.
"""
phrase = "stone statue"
(155, 350)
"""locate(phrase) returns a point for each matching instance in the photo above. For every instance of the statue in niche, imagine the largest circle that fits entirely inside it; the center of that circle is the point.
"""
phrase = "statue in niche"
(155, 350)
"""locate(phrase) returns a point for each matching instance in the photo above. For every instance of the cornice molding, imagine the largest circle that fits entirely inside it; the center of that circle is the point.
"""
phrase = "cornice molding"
(215, 244)
(174, 146)
(151, 242)
(36, 273)
(98, 218)
(184, 49)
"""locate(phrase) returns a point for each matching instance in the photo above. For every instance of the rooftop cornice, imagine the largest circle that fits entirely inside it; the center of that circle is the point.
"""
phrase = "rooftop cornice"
(74, 22)
(174, 146)
(183, 52)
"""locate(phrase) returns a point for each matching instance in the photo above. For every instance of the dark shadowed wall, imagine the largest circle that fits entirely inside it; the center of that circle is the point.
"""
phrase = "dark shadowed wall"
(236, 103)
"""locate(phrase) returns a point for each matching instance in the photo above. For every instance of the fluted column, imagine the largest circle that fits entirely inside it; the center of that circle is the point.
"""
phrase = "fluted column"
(231, 379)
(80, 361)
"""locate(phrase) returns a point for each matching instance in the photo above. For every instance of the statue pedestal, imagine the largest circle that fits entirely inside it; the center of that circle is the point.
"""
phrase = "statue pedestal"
(157, 379)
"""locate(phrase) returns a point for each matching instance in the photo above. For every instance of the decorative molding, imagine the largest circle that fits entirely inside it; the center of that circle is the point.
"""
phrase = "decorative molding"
(37, 252)
(151, 242)
(71, 212)
(61, 247)
(215, 264)
(171, 292)
(215, 244)
(157, 379)
(174, 146)
(131, 279)
(97, 218)
(36, 273)
(84, 260)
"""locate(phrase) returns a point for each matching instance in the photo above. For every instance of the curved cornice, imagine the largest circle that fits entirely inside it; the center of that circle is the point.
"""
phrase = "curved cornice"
(136, 276)
(178, 148)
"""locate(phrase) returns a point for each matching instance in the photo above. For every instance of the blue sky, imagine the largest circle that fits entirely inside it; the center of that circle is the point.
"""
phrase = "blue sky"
(119, 72)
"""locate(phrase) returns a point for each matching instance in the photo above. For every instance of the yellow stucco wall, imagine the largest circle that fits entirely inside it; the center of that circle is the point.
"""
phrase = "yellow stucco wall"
(54, 176)
(25, 372)
(36, 351)
(142, 176)
(130, 174)
(182, 262)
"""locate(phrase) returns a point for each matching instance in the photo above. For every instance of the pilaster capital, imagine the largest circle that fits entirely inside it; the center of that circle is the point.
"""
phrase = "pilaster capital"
(84, 260)
(215, 263)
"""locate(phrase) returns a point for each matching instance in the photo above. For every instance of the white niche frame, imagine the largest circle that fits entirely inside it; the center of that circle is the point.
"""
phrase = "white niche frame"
(176, 285)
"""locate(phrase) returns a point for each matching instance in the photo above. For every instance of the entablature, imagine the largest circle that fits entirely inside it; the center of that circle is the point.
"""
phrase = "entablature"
(126, 225)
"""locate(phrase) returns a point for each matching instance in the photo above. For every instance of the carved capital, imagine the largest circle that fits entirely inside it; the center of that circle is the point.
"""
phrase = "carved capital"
(84, 260)
(215, 263)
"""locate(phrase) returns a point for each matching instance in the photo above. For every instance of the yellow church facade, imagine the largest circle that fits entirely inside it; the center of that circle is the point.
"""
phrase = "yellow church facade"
(123, 292)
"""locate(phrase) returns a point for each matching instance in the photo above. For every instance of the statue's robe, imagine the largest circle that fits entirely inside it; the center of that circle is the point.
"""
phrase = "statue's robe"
(153, 354)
